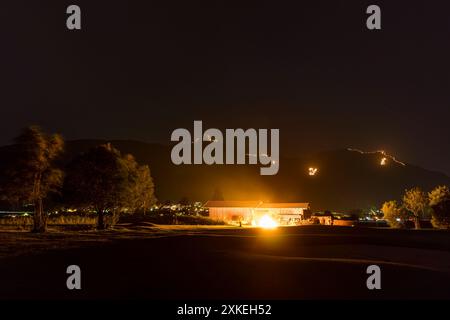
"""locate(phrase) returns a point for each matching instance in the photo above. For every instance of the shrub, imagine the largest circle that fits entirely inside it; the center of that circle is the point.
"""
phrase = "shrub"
(392, 213)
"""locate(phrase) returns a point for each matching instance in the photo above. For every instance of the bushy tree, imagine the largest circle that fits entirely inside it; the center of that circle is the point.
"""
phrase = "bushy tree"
(141, 189)
(416, 202)
(440, 203)
(392, 213)
(34, 174)
(105, 181)
(97, 179)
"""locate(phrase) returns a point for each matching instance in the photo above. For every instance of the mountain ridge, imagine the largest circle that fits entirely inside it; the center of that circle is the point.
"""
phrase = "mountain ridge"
(345, 179)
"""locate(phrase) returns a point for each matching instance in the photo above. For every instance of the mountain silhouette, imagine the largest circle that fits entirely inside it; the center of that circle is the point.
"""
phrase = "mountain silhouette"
(345, 179)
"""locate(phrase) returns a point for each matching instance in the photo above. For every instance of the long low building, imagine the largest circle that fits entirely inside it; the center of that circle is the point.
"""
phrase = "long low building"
(247, 212)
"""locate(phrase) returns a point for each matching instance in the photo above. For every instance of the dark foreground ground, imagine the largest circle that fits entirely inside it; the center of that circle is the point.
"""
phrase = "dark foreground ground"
(310, 262)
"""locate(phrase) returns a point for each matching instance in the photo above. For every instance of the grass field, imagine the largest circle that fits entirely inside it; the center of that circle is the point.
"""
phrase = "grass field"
(212, 262)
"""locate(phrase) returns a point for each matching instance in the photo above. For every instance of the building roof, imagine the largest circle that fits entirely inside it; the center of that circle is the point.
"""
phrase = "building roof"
(274, 205)
(232, 204)
(255, 204)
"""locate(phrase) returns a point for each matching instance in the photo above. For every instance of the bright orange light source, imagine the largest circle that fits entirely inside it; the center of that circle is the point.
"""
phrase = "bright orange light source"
(312, 171)
(267, 222)
(383, 161)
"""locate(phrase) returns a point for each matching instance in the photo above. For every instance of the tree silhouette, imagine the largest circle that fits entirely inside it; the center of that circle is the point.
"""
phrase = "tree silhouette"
(140, 185)
(97, 179)
(105, 181)
(34, 174)
(440, 203)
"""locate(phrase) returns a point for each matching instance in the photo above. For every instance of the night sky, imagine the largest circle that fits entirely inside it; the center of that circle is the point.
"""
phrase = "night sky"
(140, 69)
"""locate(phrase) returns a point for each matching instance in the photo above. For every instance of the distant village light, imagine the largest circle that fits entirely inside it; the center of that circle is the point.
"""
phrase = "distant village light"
(312, 171)
(383, 161)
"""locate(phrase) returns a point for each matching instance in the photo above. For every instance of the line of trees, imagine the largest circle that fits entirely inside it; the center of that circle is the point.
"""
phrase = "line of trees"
(101, 179)
(417, 204)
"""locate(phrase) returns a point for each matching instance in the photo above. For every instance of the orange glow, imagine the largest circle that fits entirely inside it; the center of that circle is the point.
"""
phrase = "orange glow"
(383, 161)
(267, 222)
(312, 171)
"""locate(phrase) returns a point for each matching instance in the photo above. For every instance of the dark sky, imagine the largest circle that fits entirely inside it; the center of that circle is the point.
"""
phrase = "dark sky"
(140, 69)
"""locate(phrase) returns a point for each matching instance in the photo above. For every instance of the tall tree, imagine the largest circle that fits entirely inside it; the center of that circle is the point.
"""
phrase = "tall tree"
(416, 201)
(105, 181)
(440, 204)
(34, 174)
(97, 180)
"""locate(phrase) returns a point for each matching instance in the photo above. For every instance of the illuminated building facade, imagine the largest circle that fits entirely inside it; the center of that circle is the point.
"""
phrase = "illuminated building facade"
(246, 212)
